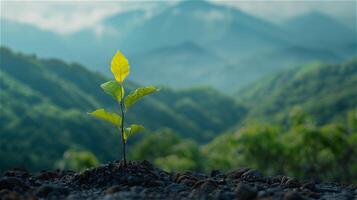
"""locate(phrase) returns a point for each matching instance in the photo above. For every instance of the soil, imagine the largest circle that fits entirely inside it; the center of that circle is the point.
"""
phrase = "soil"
(141, 180)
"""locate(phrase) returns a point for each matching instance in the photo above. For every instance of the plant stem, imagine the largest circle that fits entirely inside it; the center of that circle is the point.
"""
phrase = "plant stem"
(122, 127)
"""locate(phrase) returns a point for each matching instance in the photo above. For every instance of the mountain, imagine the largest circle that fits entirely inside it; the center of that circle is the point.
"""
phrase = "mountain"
(207, 25)
(179, 66)
(44, 104)
(91, 46)
(326, 91)
(239, 48)
(126, 21)
(221, 29)
(270, 62)
(193, 43)
(319, 31)
(31, 39)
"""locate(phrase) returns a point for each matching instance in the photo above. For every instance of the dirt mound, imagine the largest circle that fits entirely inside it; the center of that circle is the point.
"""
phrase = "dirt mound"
(141, 180)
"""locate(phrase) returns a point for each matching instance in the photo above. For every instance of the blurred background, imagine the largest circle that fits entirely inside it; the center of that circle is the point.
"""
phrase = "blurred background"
(270, 85)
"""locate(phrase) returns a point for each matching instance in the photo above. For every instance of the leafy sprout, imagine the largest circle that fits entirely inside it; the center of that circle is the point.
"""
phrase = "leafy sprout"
(120, 68)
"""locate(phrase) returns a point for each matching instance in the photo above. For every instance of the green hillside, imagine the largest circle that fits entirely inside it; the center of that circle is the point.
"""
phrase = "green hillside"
(44, 105)
(326, 91)
(279, 134)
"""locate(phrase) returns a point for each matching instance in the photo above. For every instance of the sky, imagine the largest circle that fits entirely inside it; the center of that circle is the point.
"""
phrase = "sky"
(66, 17)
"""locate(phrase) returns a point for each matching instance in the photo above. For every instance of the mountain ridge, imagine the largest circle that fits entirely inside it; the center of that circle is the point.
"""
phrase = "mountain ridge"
(240, 43)
(44, 103)
(326, 91)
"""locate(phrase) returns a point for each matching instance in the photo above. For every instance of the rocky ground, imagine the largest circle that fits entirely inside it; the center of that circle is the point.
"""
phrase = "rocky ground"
(141, 180)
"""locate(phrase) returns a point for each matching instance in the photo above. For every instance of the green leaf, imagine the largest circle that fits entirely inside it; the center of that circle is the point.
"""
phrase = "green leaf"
(107, 116)
(126, 134)
(135, 128)
(113, 88)
(132, 130)
(137, 94)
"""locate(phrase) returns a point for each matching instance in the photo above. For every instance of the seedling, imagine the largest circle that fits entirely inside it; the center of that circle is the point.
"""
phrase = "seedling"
(120, 68)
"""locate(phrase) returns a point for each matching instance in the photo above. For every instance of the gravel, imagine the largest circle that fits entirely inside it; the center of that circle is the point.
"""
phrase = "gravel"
(141, 180)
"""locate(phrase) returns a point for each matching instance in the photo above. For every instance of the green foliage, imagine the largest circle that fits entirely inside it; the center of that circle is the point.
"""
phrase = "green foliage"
(111, 117)
(120, 69)
(137, 94)
(114, 89)
(326, 91)
(77, 160)
(169, 151)
(132, 130)
(42, 99)
(46, 99)
(305, 150)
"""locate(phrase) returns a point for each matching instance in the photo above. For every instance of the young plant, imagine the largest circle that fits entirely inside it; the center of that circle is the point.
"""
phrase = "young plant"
(120, 68)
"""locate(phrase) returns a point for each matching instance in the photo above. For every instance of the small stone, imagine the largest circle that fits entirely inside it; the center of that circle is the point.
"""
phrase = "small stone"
(284, 179)
(262, 194)
(274, 190)
(252, 175)
(276, 179)
(237, 173)
(47, 175)
(292, 196)
(186, 178)
(215, 173)
(292, 183)
(7, 195)
(17, 172)
(136, 189)
(347, 195)
(155, 183)
(224, 195)
(175, 188)
(206, 186)
(131, 180)
(309, 185)
(12, 183)
(47, 190)
(313, 195)
(245, 192)
(113, 189)
(147, 164)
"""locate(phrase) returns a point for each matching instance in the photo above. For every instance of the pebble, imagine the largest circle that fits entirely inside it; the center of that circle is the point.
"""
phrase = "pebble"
(113, 189)
(141, 180)
(236, 174)
(12, 183)
(292, 196)
(252, 175)
(206, 186)
(215, 173)
(48, 190)
(310, 185)
(292, 183)
(245, 192)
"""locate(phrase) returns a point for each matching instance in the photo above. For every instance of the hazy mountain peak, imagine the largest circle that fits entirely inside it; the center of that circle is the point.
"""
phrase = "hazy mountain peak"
(190, 45)
(186, 47)
(194, 4)
(122, 17)
(318, 30)
(316, 14)
(313, 18)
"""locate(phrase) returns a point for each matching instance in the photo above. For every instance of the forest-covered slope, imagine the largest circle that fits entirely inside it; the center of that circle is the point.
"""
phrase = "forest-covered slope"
(326, 91)
(44, 105)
